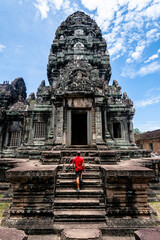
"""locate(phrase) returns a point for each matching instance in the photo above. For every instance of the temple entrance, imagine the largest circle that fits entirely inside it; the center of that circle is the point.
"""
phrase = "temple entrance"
(79, 128)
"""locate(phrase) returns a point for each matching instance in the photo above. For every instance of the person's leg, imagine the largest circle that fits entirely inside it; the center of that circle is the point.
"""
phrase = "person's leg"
(81, 176)
(77, 180)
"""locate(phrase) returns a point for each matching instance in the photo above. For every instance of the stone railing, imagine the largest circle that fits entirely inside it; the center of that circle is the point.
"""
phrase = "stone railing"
(33, 198)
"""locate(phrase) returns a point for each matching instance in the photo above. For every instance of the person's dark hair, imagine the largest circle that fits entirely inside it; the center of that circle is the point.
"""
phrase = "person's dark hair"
(78, 153)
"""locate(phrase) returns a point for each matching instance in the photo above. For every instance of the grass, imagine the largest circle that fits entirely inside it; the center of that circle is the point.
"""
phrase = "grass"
(3, 206)
(156, 207)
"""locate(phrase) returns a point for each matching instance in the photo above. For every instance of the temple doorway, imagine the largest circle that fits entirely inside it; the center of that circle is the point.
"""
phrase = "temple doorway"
(79, 128)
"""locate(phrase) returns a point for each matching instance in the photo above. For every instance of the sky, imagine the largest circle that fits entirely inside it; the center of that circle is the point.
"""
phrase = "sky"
(131, 29)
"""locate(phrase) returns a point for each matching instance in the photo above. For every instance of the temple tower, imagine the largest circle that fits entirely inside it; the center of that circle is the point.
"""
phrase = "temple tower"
(88, 112)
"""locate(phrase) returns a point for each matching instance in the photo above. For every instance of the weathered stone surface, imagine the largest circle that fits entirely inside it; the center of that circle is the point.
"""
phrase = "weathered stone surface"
(148, 234)
(12, 234)
(125, 189)
(88, 234)
(44, 237)
(33, 197)
(11, 93)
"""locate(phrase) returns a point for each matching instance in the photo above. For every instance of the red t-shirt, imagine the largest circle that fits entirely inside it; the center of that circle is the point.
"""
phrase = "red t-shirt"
(78, 163)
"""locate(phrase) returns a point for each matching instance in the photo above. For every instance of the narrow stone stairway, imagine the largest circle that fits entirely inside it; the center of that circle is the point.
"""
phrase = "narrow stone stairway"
(85, 209)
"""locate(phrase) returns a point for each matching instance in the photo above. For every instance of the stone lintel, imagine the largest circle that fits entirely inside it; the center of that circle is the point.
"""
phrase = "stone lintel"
(12, 233)
(148, 234)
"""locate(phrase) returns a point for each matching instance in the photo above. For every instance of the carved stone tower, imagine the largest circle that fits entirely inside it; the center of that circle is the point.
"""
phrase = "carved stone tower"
(87, 111)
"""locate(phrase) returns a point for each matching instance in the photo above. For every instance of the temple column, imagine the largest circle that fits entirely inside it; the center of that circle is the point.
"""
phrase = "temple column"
(89, 128)
(107, 134)
(68, 142)
(98, 124)
(51, 132)
(126, 133)
(59, 127)
(131, 135)
(31, 130)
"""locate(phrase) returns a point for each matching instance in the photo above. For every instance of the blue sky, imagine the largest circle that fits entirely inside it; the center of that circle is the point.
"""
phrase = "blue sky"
(130, 27)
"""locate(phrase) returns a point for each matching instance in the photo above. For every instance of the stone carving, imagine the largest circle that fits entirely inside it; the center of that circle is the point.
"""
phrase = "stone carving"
(11, 93)
(90, 36)
(80, 102)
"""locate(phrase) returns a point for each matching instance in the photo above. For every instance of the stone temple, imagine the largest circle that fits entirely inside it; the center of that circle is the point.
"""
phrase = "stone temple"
(79, 110)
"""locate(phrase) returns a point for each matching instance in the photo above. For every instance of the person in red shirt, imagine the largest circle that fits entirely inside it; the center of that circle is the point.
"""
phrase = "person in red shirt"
(78, 166)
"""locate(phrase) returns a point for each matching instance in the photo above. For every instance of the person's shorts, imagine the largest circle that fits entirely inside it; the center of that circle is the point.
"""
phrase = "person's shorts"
(78, 173)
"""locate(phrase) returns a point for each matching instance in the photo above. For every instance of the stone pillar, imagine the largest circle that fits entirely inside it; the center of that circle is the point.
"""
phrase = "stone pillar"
(108, 138)
(68, 128)
(126, 131)
(51, 134)
(59, 127)
(31, 129)
(89, 128)
(93, 127)
(1, 133)
(98, 124)
(33, 198)
(131, 134)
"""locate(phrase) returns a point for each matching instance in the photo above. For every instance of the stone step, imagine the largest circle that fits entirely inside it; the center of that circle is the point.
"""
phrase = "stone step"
(85, 183)
(71, 175)
(77, 202)
(80, 220)
(79, 215)
(69, 225)
(82, 186)
(77, 207)
(66, 169)
(82, 193)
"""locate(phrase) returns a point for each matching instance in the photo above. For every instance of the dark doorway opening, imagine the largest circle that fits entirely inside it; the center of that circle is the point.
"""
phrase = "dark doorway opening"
(117, 130)
(79, 128)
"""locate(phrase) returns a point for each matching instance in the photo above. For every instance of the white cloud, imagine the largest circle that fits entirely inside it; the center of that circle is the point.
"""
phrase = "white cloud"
(138, 52)
(44, 6)
(147, 102)
(150, 68)
(2, 47)
(130, 71)
(138, 22)
(152, 96)
(153, 57)
(148, 126)
(68, 8)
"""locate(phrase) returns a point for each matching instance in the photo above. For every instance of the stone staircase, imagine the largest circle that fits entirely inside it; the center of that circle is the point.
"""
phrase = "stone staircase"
(83, 209)
(90, 155)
